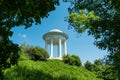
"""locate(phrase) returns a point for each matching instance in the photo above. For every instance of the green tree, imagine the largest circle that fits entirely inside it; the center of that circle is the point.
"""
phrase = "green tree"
(98, 62)
(88, 65)
(19, 13)
(107, 73)
(8, 55)
(102, 69)
(103, 23)
(115, 58)
(96, 67)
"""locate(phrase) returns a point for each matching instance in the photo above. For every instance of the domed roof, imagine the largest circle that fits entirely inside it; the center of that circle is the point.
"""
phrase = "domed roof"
(56, 30)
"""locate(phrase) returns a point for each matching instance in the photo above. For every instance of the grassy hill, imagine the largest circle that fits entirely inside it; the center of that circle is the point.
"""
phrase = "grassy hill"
(47, 70)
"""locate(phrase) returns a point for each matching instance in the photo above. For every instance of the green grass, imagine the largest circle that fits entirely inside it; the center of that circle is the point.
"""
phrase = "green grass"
(47, 70)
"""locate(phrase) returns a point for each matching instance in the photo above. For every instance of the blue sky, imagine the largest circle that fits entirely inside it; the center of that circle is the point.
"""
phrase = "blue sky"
(81, 46)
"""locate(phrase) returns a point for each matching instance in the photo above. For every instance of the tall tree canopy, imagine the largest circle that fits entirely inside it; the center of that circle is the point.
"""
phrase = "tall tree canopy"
(100, 19)
(19, 13)
(105, 28)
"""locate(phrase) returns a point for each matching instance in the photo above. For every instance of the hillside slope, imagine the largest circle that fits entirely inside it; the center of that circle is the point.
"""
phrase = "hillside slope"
(47, 70)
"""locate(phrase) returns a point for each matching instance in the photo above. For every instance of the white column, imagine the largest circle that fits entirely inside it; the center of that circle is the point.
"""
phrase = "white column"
(46, 45)
(58, 51)
(65, 48)
(60, 54)
(51, 48)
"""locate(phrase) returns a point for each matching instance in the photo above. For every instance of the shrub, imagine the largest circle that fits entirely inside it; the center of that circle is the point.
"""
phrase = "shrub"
(33, 53)
(37, 53)
(72, 60)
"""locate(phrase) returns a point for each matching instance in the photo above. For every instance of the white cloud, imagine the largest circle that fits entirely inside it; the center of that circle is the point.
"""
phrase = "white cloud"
(22, 35)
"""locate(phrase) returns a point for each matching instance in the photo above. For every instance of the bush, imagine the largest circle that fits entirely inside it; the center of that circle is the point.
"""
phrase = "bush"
(33, 53)
(37, 53)
(72, 60)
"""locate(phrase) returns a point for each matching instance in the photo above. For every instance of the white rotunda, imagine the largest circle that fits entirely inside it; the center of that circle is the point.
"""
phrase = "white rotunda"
(58, 38)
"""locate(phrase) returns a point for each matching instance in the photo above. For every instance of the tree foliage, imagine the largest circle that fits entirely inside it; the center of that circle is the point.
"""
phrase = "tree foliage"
(98, 62)
(108, 73)
(101, 69)
(105, 30)
(8, 55)
(114, 60)
(19, 13)
(105, 34)
(88, 65)
(24, 12)
(82, 21)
